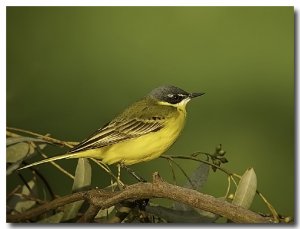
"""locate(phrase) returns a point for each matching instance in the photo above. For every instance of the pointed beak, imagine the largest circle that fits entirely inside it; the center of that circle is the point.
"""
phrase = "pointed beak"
(196, 94)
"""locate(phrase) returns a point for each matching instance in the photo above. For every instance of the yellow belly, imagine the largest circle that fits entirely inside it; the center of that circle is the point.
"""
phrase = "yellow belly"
(143, 148)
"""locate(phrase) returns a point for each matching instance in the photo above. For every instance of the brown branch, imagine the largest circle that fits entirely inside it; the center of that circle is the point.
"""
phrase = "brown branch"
(156, 189)
(60, 201)
(90, 214)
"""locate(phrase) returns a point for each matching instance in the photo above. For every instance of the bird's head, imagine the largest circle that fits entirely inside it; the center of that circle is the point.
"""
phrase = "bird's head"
(172, 96)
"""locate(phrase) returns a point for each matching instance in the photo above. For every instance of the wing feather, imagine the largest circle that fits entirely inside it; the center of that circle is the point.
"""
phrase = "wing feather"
(118, 131)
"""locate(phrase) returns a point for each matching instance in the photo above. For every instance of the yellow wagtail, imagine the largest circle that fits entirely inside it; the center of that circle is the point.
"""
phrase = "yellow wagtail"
(142, 132)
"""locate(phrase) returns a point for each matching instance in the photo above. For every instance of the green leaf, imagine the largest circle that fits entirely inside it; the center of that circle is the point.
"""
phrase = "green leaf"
(179, 216)
(83, 176)
(103, 213)
(24, 205)
(18, 202)
(11, 168)
(198, 179)
(246, 189)
(53, 219)
(71, 210)
(18, 152)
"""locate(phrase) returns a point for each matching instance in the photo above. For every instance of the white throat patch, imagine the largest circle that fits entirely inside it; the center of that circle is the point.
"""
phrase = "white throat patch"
(180, 105)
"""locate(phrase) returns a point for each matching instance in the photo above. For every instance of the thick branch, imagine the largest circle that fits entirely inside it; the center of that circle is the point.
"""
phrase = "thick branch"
(90, 214)
(156, 189)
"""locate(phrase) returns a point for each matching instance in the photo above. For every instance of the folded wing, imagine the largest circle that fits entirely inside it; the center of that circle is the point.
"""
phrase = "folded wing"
(118, 131)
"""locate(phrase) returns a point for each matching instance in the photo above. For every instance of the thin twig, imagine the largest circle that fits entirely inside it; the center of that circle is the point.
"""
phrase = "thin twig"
(39, 201)
(44, 181)
(183, 172)
(196, 159)
(112, 186)
(173, 172)
(119, 171)
(233, 180)
(106, 169)
(271, 208)
(236, 175)
(57, 166)
(228, 187)
(24, 182)
(16, 189)
(56, 141)
(134, 174)
(11, 134)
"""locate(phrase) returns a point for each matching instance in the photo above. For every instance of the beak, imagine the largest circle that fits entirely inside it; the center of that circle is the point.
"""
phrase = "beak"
(196, 94)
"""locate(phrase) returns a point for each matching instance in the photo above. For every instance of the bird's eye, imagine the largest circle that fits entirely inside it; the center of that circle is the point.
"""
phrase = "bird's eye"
(175, 97)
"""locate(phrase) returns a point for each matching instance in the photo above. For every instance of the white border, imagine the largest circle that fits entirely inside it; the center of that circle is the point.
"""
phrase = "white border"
(4, 3)
(150, 3)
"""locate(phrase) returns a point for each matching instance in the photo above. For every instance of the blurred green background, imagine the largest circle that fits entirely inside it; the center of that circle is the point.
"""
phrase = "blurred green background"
(72, 69)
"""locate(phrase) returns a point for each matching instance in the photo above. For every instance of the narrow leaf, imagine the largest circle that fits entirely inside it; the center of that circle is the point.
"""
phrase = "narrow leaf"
(71, 210)
(198, 179)
(103, 213)
(53, 219)
(24, 205)
(18, 202)
(17, 152)
(83, 175)
(11, 168)
(246, 189)
(178, 216)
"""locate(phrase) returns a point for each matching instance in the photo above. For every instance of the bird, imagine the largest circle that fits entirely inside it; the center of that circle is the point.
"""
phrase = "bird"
(142, 132)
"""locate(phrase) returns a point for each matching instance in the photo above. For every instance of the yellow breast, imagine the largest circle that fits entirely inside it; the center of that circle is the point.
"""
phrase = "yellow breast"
(146, 147)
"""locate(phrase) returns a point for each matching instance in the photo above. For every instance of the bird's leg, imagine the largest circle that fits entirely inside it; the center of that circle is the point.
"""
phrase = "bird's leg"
(119, 171)
(119, 165)
(142, 203)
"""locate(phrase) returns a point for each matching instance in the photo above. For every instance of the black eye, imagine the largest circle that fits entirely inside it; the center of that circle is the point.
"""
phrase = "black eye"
(175, 97)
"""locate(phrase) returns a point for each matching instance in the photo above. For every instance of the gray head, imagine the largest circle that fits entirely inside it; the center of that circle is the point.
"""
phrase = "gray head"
(172, 94)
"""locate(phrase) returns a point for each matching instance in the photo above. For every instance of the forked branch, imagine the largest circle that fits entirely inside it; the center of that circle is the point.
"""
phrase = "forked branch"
(157, 189)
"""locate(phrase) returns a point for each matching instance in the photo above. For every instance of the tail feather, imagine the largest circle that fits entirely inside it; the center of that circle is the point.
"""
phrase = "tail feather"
(49, 160)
